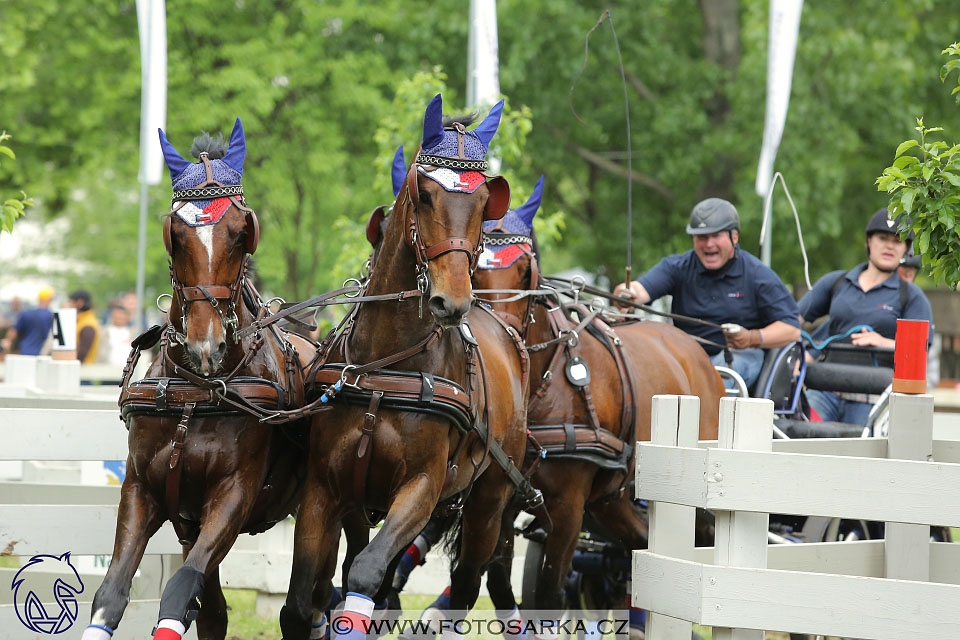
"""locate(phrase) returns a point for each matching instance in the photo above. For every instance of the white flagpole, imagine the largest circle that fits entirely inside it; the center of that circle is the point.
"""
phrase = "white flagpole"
(781, 51)
(152, 22)
(483, 62)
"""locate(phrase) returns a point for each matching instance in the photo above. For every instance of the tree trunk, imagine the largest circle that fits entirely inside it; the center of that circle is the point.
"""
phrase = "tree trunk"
(721, 46)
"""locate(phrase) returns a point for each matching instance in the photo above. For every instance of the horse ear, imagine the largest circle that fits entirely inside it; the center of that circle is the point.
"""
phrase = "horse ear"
(253, 232)
(175, 161)
(167, 237)
(528, 210)
(65, 557)
(373, 225)
(398, 171)
(486, 130)
(433, 123)
(237, 150)
(499, 199)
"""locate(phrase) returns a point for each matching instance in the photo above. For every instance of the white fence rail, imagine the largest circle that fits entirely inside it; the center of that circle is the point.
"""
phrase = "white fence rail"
(900, 587)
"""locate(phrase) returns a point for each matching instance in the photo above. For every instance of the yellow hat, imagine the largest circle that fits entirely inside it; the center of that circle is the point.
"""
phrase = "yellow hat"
(45, 293)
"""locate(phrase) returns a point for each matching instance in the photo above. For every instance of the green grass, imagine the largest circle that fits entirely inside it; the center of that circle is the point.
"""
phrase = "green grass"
(244, 624)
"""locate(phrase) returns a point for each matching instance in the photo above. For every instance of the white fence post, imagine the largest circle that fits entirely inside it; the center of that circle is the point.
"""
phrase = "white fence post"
(741, 537)
(675, 422)
(907, 546)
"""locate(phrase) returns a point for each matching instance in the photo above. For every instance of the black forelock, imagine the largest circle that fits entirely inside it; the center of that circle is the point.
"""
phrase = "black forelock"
(466, 119)
(213, 145)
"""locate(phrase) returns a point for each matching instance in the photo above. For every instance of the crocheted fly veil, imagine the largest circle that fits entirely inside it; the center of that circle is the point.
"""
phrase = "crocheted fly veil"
(203, 191)
(455, 158)
(508, 238)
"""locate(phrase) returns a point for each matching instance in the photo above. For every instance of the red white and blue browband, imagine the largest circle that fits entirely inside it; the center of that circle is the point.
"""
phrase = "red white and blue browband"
(452, 180)
(501, 257)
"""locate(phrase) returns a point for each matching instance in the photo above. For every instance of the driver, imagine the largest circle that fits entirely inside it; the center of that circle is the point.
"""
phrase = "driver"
(873, 294)
(720, 282)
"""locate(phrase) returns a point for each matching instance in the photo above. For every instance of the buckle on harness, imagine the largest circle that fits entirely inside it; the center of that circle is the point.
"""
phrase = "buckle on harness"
(534, 499)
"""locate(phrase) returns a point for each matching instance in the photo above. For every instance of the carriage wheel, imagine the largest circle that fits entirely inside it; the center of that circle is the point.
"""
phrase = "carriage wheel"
(532, 565)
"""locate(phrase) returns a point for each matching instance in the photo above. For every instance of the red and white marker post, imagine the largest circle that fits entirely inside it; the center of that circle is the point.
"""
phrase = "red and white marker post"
(910, 357)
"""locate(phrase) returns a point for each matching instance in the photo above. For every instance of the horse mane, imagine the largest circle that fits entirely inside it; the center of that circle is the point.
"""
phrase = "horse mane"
(466, 120)
(212, 145)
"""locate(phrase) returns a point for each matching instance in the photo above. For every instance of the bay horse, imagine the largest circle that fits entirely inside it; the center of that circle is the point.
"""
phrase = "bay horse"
(591, 392)
(429, 394)
(199, 454)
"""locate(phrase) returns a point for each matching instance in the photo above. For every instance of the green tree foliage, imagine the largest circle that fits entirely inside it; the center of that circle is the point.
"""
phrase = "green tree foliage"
(11, 208)
(328, 90)
(926, 188)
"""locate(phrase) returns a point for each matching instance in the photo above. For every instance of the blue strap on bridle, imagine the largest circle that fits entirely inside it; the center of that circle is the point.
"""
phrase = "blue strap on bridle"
(819, 347)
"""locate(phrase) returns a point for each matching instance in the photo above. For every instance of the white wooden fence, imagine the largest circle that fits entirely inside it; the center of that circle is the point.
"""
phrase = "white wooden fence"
(904, 586)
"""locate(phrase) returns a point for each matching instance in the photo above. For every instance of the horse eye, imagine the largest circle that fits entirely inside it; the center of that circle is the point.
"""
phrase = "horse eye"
(425, 198)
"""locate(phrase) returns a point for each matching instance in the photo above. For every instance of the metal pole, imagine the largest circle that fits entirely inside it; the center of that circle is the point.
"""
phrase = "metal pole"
(142, 257)
(765, 250)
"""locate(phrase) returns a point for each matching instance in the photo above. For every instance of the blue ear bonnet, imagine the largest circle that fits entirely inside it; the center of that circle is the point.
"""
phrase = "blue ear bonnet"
(195, 174)
(398, 171)
(227, 170)
(473, 147)
(438, 141)
(519, 221)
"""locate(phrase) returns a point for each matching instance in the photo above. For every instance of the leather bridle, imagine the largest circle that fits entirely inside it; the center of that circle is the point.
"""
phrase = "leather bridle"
(501, 238)
(496, 206)
(213, 294)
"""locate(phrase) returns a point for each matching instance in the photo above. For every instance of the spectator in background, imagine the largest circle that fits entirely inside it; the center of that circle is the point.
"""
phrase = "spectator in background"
(129, 302)
(88, 328)
(116, 335)
(32, 327)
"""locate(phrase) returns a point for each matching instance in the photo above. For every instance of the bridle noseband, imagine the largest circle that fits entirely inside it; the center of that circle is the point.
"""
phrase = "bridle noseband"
(213, 294)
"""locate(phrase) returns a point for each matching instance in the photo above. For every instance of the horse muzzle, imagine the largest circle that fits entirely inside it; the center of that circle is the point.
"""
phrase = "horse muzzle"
(206, 357)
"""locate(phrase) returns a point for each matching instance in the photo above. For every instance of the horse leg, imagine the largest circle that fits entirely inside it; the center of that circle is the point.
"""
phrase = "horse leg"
(482, 524)
(358, 537)
(316, 539)
(624, 519)
(138, 518)
(212, 618)
(406, 516)
(566, 511)
(498, 579)
(221, 524)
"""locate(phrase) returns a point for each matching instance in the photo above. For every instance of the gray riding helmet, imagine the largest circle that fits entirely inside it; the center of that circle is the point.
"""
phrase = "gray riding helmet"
(712, 215)
(911, 260)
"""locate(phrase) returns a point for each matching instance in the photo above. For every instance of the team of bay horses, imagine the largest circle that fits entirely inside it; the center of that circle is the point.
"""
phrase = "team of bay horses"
(416, 407)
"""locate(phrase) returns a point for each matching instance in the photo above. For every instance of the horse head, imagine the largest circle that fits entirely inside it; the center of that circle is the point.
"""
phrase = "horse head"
(509, 259)
(447, 196)
(208, 235)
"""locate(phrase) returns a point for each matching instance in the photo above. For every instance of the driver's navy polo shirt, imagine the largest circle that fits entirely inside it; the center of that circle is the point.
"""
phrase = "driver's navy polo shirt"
(851, 306)
(744, 291)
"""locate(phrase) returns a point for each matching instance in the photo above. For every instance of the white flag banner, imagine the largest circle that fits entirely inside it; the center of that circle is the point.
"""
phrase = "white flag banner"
(152, 20)
(483, 60)
(781, 50)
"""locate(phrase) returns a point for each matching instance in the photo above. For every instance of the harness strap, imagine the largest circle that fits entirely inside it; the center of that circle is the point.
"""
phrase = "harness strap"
(174, 471)
(361, 467)
(450, 244)
(324, 300)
